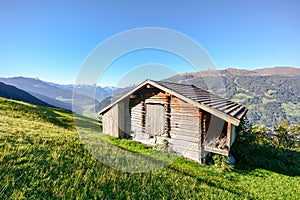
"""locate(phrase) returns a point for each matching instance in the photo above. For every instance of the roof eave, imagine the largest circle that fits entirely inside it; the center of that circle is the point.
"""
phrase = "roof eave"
(124, 97)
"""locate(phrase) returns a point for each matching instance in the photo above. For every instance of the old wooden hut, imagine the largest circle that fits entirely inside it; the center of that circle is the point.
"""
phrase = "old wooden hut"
(192, 121)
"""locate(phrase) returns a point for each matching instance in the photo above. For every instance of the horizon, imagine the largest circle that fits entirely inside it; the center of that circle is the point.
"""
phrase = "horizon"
(135, 83)
(52, 40)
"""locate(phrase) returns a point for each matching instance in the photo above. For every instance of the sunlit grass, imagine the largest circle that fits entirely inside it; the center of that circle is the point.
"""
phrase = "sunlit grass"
(42, 157)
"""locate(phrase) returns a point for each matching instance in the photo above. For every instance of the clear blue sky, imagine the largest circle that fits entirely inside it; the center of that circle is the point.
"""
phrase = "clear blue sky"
(50, 39)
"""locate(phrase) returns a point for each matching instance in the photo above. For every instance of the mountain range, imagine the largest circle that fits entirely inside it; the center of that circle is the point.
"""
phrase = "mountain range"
(271, 94)
(59, 95)
(11, 92)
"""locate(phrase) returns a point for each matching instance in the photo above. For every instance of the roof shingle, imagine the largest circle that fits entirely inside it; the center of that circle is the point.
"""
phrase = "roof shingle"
(204, 97)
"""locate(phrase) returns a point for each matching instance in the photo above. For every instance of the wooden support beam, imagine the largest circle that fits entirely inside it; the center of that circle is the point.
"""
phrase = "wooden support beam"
(149, 86)
(228, 134)
(216, 150)
(203, 132)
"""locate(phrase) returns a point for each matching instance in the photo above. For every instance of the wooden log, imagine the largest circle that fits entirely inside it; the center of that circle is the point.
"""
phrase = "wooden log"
(216, 150)
(188, 138)
(184, 129)
(178, 132)
(193, 155)
(184, 149)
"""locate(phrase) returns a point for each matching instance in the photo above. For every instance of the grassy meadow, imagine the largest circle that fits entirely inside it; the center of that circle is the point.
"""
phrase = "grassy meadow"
(43, 157)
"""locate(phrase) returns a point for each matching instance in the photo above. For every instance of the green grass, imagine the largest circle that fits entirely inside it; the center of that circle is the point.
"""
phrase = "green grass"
(240, 97)
(42, 157)
(292, 109)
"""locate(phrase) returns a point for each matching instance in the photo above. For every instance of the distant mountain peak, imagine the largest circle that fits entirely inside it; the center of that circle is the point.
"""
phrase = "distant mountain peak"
(279, 70)
(237, 71)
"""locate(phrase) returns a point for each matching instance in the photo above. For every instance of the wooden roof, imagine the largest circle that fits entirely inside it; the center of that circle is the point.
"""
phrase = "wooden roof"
(218, 106)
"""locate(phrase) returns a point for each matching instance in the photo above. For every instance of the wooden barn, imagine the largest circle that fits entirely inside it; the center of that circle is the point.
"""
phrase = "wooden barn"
(190, 120)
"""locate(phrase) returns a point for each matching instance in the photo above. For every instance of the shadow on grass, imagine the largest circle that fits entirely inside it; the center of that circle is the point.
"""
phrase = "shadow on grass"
(252, 155)
(58, 117)
(210, 181)
(87, 123)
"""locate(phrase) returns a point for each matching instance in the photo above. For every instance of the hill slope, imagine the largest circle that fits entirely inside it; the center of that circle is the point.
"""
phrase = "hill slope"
(41, 156)
(58, 96)
(11, 92)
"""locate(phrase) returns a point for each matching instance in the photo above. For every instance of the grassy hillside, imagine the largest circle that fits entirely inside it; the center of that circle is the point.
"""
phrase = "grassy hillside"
(42, 157)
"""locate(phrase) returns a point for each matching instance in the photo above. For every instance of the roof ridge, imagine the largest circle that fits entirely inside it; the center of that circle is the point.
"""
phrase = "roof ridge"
(174, 83)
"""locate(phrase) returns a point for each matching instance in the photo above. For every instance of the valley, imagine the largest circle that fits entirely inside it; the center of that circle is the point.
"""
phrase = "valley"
(272, 95)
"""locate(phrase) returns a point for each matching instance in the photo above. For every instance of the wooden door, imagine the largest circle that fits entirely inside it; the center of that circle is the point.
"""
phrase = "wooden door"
(155, 119)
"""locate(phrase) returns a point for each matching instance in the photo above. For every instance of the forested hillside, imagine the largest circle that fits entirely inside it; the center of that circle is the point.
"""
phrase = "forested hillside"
(270, 97)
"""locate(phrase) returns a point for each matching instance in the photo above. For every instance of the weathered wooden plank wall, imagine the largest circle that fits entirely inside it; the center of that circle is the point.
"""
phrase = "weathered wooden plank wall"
(116, 121)
(142, 124)
(156, 116)
(137, 118)
(124, 118)
(155, 119)
(185, 129)
(110, 122)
